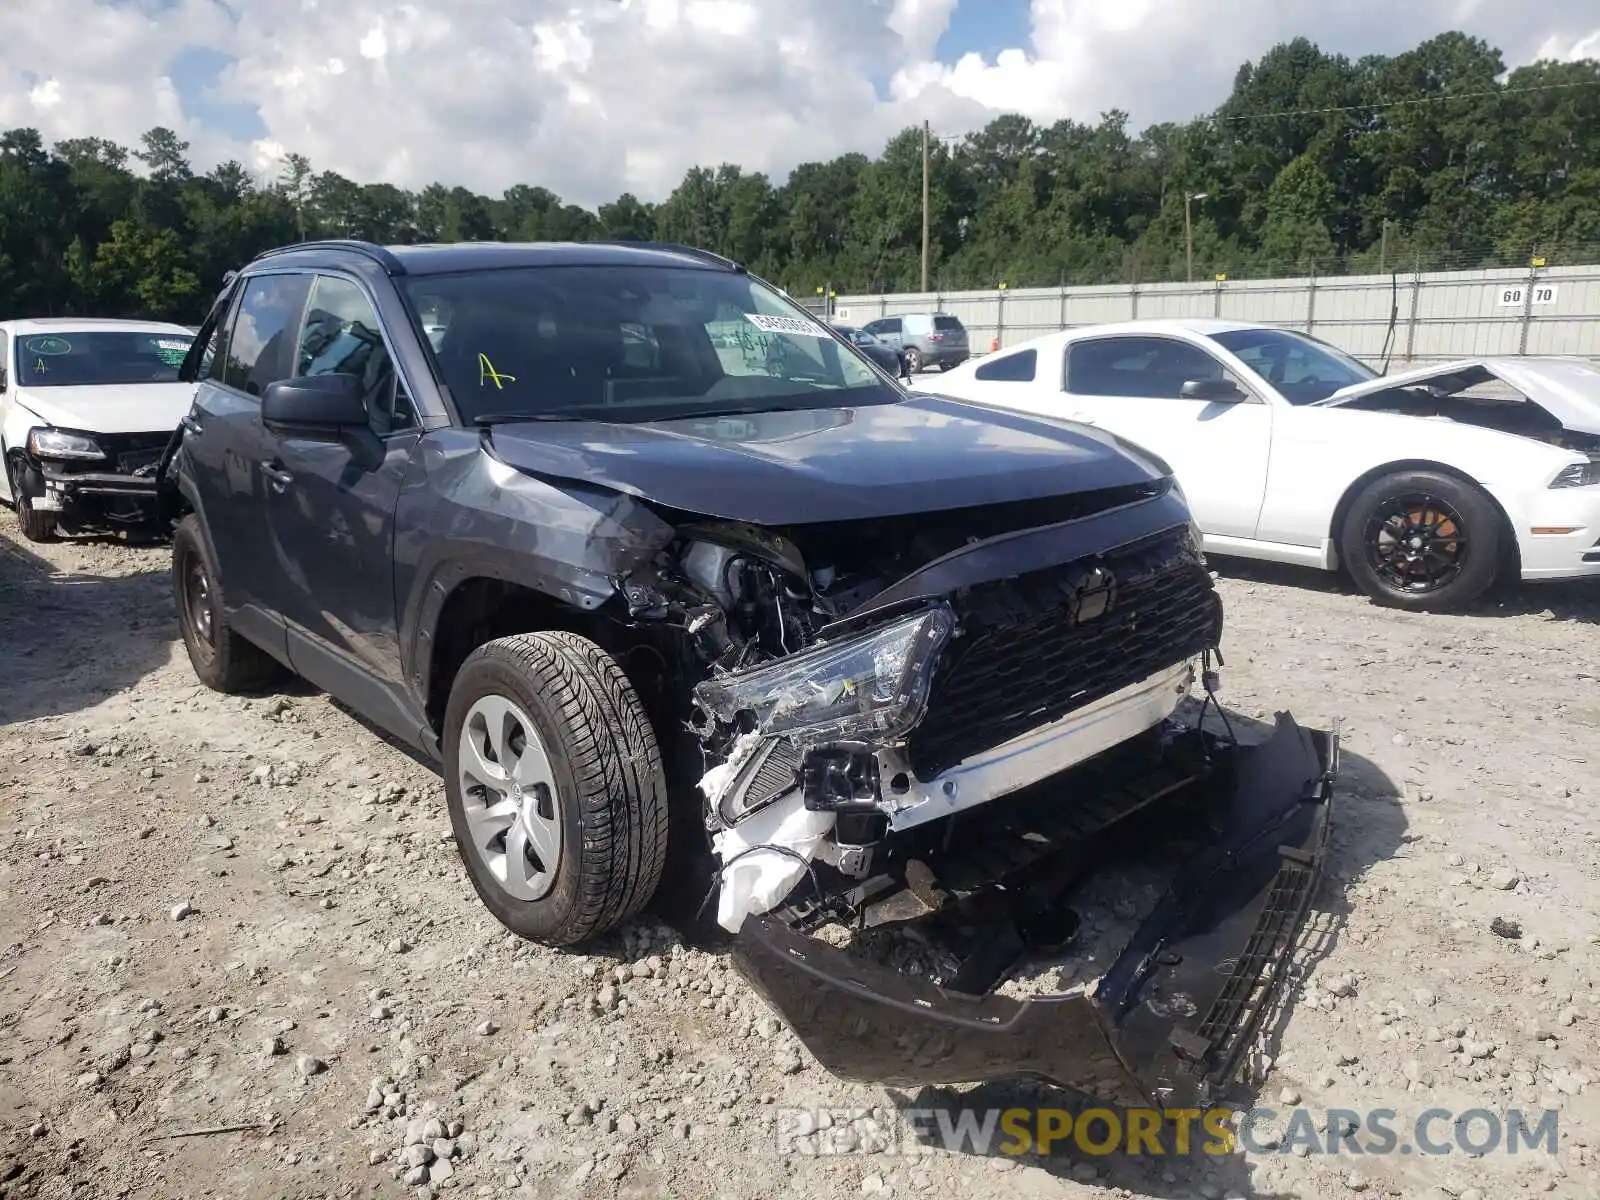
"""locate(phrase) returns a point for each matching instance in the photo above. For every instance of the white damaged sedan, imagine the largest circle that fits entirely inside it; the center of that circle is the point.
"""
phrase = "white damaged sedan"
(1425, 486)
(86, 409)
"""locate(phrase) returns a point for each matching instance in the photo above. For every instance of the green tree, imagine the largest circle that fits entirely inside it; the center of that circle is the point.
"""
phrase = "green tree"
(1435, 154)
(165, 154)
(1301, 204)
(141, 272)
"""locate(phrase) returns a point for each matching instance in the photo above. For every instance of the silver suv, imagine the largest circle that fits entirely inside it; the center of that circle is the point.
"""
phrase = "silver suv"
(924, 339)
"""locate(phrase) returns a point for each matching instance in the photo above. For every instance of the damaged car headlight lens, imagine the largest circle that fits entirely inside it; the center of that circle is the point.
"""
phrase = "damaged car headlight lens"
(1578, 475)
(875, 684)
(52, 443)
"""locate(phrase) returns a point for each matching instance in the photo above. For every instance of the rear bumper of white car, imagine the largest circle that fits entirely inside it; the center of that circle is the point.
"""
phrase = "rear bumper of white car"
(1558, 534)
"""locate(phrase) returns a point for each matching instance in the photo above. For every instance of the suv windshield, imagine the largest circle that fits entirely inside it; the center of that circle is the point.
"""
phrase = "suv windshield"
(1301, 368)
(631, 344)
(72, 359)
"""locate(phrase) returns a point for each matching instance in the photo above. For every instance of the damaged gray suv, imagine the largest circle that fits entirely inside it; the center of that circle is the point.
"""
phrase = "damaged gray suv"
(686, 596)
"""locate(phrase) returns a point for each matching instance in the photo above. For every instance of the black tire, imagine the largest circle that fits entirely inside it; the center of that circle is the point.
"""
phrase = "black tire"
(913, 361)
(1397, 543)
(610, 789)
(36, 526)
(222, 659)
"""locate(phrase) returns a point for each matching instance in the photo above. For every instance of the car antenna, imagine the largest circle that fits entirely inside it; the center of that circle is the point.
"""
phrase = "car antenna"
(1394, 317)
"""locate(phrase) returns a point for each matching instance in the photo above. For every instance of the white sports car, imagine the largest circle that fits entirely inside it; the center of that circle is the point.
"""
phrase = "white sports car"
(1424, 485)
(86, 408)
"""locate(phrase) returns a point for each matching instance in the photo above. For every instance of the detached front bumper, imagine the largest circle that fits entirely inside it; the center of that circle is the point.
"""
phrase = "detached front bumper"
(95, 496)
(1169, 1021)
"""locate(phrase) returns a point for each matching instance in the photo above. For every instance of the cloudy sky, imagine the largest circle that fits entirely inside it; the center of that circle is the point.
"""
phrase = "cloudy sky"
(594, 97)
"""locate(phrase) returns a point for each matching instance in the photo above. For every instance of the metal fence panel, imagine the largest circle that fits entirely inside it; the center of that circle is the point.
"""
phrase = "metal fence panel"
(1403, 317)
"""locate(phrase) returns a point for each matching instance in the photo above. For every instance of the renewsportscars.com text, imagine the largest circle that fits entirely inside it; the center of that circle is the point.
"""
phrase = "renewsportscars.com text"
(1173, 1131)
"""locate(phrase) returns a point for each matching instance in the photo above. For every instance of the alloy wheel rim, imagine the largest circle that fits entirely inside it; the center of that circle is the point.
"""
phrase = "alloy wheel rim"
(509, 798)
(1417, 543)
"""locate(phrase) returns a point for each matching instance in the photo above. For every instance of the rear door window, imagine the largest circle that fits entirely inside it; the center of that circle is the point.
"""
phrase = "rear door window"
(266, 332)
(1018, 367)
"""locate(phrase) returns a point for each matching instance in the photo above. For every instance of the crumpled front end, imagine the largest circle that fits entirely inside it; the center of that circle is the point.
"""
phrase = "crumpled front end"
(1170, 1019)
(972, 677)
(116, 490)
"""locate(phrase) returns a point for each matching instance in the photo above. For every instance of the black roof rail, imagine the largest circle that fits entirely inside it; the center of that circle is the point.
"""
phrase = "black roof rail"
(378, 254)
(691, 251)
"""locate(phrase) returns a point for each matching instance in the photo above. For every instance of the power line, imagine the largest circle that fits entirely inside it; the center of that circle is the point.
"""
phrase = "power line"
(1375, 105)
(1417, 100)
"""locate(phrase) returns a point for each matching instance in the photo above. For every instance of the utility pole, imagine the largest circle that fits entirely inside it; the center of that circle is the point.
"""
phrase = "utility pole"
(1383, 249)
(1188, 228)
(924, 206)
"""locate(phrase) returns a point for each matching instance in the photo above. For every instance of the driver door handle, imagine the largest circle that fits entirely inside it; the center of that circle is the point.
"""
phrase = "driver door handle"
(276, 475)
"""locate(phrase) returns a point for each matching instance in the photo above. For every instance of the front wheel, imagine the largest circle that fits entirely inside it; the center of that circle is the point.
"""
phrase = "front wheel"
(555, 787)
(1422, 540)
(36, 526)
(913, 361)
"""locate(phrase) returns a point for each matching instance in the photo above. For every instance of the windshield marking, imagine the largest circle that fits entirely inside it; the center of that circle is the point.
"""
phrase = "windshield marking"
(771, 324)
(54, 347)
(487, 374)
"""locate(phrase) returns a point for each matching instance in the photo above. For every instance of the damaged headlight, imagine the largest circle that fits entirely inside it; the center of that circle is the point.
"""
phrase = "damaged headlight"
(875, 684)
(52, 443)
(1578, 475)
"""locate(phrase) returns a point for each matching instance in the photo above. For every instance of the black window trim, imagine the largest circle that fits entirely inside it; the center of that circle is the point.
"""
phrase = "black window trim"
(1252, 394)
(224, 315)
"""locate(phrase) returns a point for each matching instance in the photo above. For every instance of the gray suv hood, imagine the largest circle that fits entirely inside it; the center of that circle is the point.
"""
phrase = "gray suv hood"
(921, 454)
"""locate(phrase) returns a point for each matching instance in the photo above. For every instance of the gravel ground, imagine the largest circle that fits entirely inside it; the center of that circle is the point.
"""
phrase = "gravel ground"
(248, 913)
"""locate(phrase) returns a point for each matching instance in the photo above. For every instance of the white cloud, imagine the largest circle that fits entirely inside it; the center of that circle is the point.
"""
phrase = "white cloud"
(920, 24)
(1164, 61)
(45, 95)
(594, 97)
(1565, 48)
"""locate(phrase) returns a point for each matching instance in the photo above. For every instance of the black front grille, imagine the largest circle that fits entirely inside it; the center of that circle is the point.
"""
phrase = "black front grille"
(1027, 657)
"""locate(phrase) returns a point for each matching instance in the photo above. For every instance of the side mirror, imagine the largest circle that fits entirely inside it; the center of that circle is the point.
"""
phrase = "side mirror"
(329, 405)
(1219, 391)
(324, 408)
